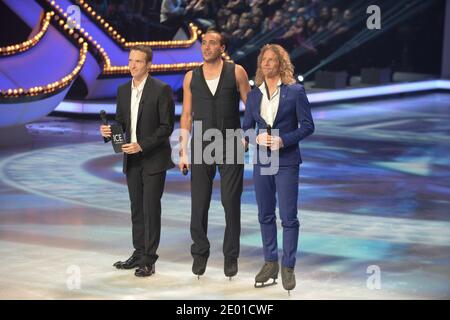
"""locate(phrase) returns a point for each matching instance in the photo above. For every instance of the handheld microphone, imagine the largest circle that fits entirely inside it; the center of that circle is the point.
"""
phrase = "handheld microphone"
(269, 132)
(185, 169)
(104, 122)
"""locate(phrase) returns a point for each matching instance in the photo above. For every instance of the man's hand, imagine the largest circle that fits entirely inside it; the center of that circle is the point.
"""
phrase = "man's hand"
(183, 161)
(272, 142)
(263, 139)
(131, 148)
(245, 144)
(276, 143)
(105, 130)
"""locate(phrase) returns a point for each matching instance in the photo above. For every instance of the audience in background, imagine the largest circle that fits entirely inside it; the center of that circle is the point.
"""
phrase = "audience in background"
(312, 25)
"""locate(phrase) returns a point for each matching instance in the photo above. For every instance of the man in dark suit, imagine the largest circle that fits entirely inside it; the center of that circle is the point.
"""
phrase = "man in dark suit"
(146, 111)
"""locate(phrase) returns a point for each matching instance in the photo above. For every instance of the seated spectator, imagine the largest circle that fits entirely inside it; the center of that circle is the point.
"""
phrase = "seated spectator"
(287, 22)
(270, 6)
(243, 33)
(297, 31)
(274, 23)
(324, 18)
(236, 6)
(172, 9)
(222, 19)
(257, 11)
(345, 23)
(311, 27)
(172, 13)
(335, 22)
(200, 11)
(256, 3)
(245, 27)
(257, 21)
(232, 24)
(312, 10)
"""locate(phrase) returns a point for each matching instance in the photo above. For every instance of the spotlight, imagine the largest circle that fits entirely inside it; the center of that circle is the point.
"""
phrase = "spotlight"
(251, 83)
(300, 78)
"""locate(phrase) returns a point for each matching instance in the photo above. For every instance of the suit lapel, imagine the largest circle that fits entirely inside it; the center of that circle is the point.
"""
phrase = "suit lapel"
(127, 105)
(283, 95)
(258, 100)
(144, 96)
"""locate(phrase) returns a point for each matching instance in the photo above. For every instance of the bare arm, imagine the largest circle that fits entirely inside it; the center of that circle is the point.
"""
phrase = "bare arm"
(186, 119)
(244, 89)
(242, 82)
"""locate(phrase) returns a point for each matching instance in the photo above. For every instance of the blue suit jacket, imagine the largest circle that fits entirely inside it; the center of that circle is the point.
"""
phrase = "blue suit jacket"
(293, 110)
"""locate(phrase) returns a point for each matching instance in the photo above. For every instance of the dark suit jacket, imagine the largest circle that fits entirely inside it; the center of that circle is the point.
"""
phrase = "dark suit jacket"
(155, 123)
(293, 110)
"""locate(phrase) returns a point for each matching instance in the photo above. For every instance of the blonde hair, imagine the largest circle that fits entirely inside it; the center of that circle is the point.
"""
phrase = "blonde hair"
(285, 65)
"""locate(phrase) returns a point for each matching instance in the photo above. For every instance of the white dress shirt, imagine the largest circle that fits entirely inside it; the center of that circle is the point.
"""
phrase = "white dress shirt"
(136, 94)
(269, 105)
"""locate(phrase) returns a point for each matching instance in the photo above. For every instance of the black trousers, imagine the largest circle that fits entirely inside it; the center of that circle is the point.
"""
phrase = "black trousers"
(231, 179)
(145, 196)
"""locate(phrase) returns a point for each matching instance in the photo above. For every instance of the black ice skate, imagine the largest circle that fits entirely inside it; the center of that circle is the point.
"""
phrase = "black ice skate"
(288, 278)
(230, 267)
(199, 266)
(268, 271)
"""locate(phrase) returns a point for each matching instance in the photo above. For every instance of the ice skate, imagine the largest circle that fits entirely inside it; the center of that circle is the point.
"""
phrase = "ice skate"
(230, 267)
(199, 265)
(288, 278)
(268, 271)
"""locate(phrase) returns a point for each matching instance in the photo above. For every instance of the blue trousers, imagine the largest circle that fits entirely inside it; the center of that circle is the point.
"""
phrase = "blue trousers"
(284, 184)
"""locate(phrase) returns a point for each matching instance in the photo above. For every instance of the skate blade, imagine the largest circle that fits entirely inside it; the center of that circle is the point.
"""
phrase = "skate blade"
(264, 284)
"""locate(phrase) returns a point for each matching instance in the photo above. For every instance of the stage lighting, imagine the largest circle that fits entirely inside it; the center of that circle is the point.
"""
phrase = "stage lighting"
(251, 83)
(300, 78)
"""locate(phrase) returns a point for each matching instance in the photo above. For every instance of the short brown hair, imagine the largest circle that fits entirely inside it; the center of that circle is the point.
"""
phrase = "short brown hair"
(145, 49)
(222, 38)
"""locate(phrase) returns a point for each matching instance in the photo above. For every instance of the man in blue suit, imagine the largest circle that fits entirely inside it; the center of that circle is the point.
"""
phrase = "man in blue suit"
(276, 107)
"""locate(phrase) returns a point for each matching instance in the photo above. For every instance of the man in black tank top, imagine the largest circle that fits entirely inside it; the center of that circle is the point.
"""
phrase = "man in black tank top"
(211, 99)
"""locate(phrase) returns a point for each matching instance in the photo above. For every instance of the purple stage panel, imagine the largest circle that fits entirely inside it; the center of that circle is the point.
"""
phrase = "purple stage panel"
(56, 48)
(119, 57)
(24, 112)
(53, 58)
